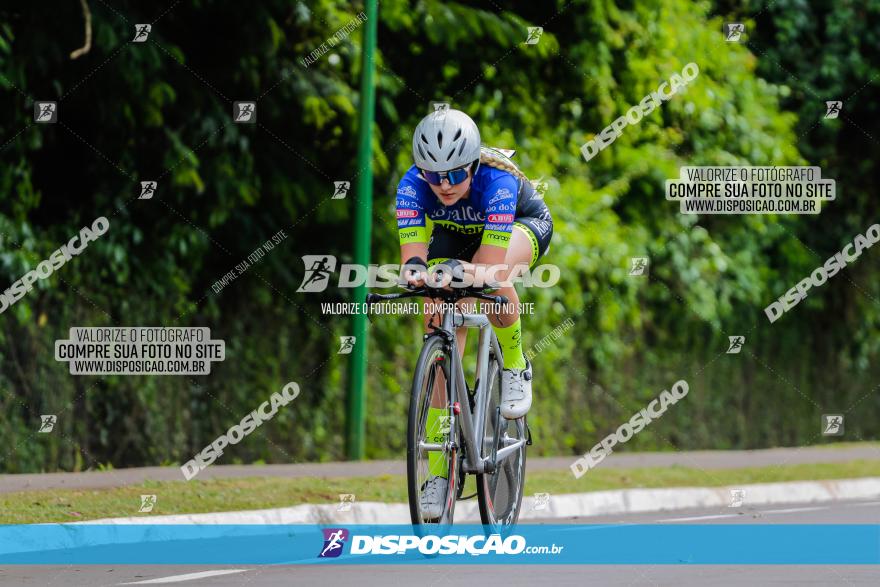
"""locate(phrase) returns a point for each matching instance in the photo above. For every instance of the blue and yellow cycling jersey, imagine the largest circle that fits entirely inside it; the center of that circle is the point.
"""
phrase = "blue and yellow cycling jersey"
(490, 207)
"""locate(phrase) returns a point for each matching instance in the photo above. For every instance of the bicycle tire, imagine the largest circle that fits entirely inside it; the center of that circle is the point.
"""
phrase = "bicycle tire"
(426, 369)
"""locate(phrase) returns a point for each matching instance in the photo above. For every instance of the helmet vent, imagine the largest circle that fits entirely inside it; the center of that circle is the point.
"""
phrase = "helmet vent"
(440, 138)
(461, 148)
(457, 135)
(424, 140)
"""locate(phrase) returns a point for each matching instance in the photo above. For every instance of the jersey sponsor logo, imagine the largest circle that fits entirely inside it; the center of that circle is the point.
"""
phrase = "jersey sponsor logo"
(406, 190)
(409, 222)
(472, 229)
(502, 193)
(542, 226)
(407, 213)
(416, 234)
(457, 214)
(503, 218)
(498, 227)
(490, 236)
(504, 207)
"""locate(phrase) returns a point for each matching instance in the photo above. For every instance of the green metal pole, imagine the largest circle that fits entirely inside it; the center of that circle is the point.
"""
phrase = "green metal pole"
(356, 401)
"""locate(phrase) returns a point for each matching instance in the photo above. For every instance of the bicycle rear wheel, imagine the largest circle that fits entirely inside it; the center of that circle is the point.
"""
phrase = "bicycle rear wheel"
(500, 493)
(434, 364)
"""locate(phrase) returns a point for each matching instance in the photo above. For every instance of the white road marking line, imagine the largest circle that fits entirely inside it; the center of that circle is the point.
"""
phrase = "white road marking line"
(691, 519)
(187, 577)
(721, 516)
(792, 510)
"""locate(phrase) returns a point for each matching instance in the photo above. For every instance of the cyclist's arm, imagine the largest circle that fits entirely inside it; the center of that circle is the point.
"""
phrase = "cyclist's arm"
(500, 212)
(489, 255)
(412, 231)
(410, 250)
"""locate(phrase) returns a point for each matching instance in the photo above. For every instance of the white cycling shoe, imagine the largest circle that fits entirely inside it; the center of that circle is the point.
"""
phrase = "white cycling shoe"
(433, 496)
(516, 392)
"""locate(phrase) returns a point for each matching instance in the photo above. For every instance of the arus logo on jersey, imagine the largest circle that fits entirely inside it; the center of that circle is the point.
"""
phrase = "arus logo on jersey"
(503, 218)
(407, 190)
(407, 213)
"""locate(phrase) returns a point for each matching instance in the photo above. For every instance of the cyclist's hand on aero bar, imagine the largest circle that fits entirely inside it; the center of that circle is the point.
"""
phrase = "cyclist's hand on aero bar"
(414, 273)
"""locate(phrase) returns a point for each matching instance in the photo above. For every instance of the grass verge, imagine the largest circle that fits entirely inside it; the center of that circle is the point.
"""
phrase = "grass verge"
(251, 493)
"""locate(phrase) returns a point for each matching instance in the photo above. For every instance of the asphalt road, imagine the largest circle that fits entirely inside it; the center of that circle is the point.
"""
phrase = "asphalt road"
(856, 512)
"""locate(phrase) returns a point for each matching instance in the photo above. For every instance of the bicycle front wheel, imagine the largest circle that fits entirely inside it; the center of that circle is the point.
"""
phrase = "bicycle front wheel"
(431, 451)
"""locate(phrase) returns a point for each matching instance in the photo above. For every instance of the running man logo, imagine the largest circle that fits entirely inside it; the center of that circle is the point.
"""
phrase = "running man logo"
(148, 188)
(318, 271)
(147, 503)
(737, 496)
(444, 424)
(638, 265)
(541, 187)
(340, 190)
(735, 344)
(733, 31)
(534, 35)
(47, 423)
(832, 424)
(244, 112)
(345, 502)
(346, 345)
(334, 540)
(542, 500)
(141, 32)
(439, 110)
(833, 108)
(46, 112)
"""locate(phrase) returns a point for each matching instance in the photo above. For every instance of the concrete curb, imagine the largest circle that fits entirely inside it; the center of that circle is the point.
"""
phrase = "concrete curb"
(20, 538)
(597, 503)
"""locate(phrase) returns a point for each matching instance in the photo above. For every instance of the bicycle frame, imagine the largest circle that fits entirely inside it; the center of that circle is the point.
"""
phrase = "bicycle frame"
(472, 423)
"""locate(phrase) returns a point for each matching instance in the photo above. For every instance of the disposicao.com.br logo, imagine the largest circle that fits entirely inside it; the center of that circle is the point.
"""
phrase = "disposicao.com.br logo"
(319, 270)
(401, 544)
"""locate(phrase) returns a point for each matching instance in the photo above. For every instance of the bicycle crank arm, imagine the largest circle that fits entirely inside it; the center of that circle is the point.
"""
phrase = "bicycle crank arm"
(508, 450)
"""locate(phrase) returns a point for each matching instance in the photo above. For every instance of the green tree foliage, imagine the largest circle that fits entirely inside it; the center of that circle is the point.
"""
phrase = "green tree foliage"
(161, 110)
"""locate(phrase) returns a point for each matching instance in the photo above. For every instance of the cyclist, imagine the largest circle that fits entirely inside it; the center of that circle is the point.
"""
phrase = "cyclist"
(485, 212)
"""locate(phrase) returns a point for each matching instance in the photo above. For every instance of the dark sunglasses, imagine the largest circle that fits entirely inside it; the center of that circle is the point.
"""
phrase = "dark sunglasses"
(455, 176)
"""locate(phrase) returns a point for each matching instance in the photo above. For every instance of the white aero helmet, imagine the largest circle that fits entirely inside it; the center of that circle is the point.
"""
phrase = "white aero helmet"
(446, 140)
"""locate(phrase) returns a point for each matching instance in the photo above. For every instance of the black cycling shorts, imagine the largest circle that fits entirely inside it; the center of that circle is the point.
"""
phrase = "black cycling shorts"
(448, 244)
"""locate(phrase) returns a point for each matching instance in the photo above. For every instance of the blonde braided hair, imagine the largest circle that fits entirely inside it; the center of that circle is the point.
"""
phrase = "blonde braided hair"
(494, 158)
